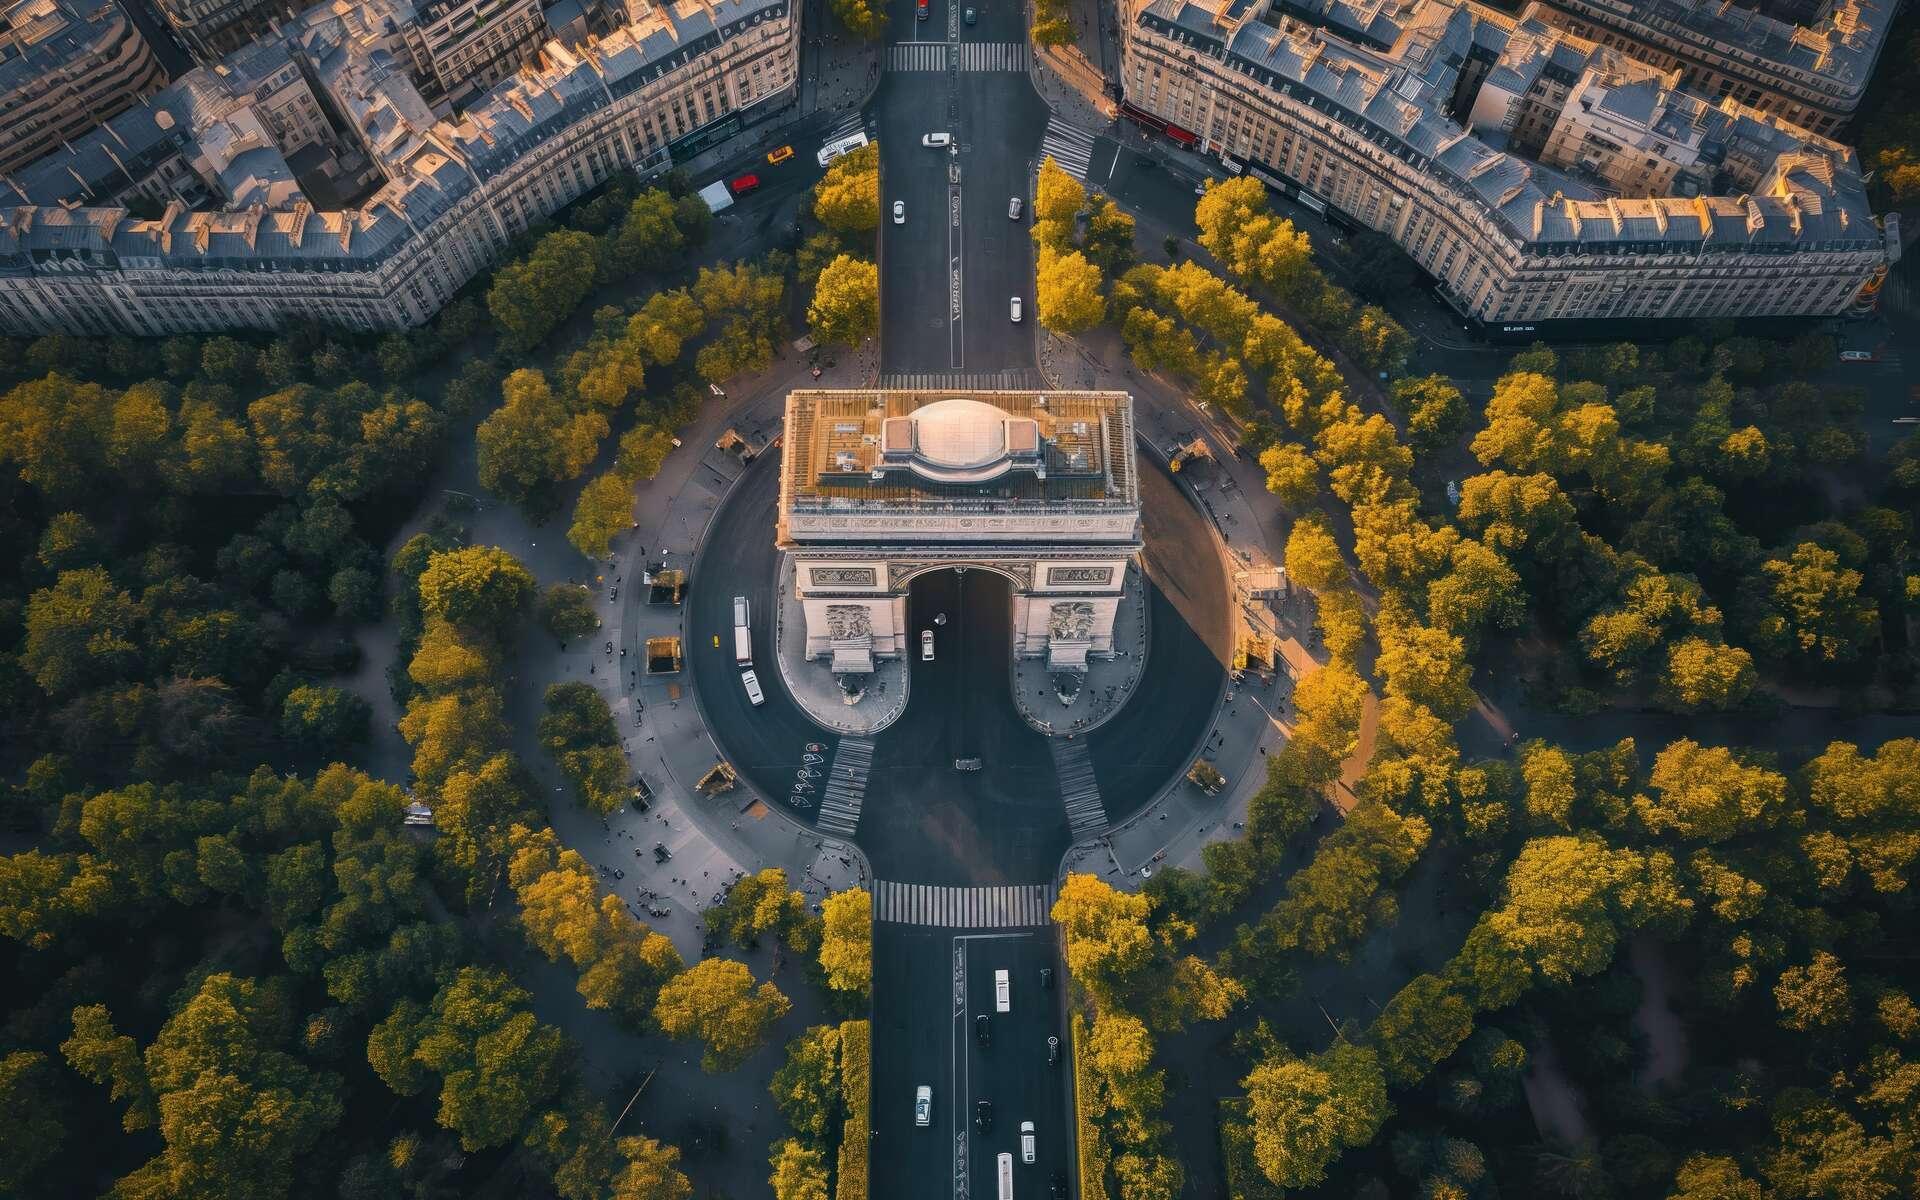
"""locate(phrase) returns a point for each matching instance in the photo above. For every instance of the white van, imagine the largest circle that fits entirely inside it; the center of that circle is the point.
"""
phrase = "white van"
(1002, 992)
(1026, 1142)
(751, 682)
(1005, 1174)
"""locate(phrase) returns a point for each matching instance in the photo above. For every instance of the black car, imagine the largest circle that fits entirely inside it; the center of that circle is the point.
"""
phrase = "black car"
(1046, 978)
(983, 1116)
(1059, 1188)
(983, 1029)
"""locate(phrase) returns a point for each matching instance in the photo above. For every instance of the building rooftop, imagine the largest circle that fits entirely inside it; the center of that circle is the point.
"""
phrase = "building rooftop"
(1397, 101)
(852, 449)
(44, 37)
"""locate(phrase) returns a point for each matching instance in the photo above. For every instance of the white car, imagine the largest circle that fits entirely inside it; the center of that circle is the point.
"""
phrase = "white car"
(936, 139)
(926, 645)
(1014, 309)
(1013, 208)
(752, 683)
(1026, 1141)
(923, 1106)
(899, 212)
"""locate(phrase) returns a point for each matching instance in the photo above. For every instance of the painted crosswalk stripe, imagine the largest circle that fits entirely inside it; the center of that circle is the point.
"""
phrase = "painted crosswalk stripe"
(1079, 791)
(1071, 148)
(1010, 906)
(975, 57)
(1012, 380)
(846, 786)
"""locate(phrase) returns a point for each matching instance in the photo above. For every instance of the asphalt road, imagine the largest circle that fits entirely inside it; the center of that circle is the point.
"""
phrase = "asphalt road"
(938, 981)
(948, 274)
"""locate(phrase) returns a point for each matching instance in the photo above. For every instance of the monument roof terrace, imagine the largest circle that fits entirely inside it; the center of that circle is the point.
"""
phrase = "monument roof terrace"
(967, 451)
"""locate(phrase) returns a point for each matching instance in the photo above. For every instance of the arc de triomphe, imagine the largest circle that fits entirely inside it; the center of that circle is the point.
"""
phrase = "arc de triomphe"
(878, 487)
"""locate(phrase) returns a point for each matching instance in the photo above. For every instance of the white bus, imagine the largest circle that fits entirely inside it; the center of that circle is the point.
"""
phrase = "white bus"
(1006, 1176)
(1002, 993)
(845, 145)
(742, 635)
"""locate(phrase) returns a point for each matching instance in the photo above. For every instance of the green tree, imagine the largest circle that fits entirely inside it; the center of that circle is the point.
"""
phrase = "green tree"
(1292, 474)
(481, 588)
(1434, 409)
(846, 301)
(1809, 604)
(798, 1172)
(648, 238)
(1052, 26)
(1306, 1111)
(566, 611)
(103, 1055)
(530, 297)
(322, 719)
(80, 632)
(33, 1121)
(55, 432)
(533, 440)
(758, 904)
(1109, 237)
(715, 1002)
(807, 1088)
(651, 1172)
(603, 512)
(577, 729)
(1706, 1177)
(1424, 1023)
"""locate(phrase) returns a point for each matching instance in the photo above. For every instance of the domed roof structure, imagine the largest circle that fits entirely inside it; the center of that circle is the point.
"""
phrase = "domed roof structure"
(960, 433)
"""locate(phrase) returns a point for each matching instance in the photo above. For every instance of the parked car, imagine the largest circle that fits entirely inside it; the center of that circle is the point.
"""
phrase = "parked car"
(751, 682)
(899, 212)
(968, 16)
(983, 1116)
(936, 139)
(983, 1029)
(1014, 309)
(745, 184)
(1014, 205)
(920, 10)
(1026, 1141)
(781, 155)
(923, 1106)
(926, 645)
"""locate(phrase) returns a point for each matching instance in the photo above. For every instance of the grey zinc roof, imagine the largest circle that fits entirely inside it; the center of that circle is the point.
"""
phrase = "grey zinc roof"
(80, 28)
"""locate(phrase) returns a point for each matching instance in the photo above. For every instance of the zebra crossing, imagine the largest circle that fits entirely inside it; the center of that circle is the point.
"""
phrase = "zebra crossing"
(1073, 763)
(1013, 380)
(846, 786)
(1071, 148)
(975, 57)
(1013, 907)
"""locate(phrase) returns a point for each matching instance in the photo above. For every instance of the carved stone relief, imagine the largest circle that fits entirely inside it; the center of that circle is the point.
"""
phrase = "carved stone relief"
(1070, 620)
(826, 577)
(1097, 576)
(847, 621)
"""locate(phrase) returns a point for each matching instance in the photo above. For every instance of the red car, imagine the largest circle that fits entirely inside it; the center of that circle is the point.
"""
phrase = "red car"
(920, 10)
(744, 184)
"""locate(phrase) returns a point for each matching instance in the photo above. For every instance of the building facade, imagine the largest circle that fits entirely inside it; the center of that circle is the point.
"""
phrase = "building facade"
(211, 29)
(1813, 73)
(1373, 135)
(65, 69)
(880, 487)
(458, 192)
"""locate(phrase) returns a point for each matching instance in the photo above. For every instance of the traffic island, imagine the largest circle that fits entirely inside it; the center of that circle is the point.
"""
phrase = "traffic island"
(861, 703)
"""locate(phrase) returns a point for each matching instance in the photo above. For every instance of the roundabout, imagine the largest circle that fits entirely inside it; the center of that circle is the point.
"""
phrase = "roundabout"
(919, 819)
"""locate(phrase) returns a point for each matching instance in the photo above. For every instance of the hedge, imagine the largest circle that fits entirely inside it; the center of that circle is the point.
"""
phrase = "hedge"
(855, 1071)
(1093, 1140)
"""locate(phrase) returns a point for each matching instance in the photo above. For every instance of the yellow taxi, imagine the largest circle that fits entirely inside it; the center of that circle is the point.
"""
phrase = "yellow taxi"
(781, 155)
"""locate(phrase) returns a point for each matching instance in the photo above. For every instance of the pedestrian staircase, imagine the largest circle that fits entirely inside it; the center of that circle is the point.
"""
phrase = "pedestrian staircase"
(1071, 148)
(1017, 906)
(1073, 763)
(846, 786)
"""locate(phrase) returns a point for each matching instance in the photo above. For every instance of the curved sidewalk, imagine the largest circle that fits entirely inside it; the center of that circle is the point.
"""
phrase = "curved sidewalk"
(812, 684)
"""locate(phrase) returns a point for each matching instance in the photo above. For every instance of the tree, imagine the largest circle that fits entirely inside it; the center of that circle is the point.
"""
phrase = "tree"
(1051, 24)
(846, 301)
(1479, 590)
(1811, 605)
(578, 731)
(847, 199)
(715, 1002)
(664, 323)
(1067, 292)
(1815, 996)
(480, 588)
(496, 1062)
(1109, 237)
(1057, 197)
(1292, 474)
(566, 611)
(807, 1088)
(1108, 942)
(758, 904)
(1434, 409)
(1313, 557)
(604, 511)
(1704, 675)
(846, 941)
(33, 1116)
(530, 297)
(1704, 1177)
(1707, 793)
(1427, 666)
(79, 632)
(648, 238)
(798, 1172)
(55, 430)
(1306, 1111)
(323, 719)
(651, 1173)
(861, 18)
(1237, 228)
(103, 1055)
(533, 440)
(1424, 1023)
